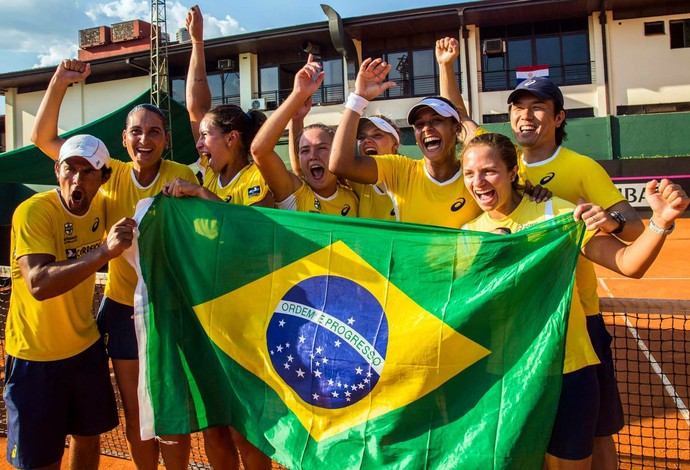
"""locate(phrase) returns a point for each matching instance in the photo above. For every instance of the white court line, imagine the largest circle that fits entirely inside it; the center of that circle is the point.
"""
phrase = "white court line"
(655, 365)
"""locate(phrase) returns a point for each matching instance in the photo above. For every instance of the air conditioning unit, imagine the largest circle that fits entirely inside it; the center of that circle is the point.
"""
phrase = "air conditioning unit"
(493, 47)
(259, 104)
(226, 64)
(91, 37)
(127, 31)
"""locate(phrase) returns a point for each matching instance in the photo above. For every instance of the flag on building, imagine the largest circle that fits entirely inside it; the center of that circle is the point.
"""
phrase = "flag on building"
(337, 343)
(525, 73)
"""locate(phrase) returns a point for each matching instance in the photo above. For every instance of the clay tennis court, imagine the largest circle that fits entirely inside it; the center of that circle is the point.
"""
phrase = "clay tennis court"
(652, 355)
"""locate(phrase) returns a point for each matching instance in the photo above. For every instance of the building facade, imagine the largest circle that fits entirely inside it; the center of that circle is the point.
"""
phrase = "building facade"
(623, 65)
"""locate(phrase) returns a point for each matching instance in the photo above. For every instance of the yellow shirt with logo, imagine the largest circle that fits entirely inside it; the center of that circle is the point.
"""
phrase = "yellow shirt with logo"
(569, 175)
(123, 192)
(373, 203)
(579, 352)
(62, 326)
(343, 202)
(418, 198)
(246, 188)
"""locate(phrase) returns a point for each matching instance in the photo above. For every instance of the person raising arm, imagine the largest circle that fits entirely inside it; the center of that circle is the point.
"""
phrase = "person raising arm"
(319, 191)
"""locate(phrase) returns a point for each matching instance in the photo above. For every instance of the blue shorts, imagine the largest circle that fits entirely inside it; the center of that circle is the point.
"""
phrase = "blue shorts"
(116, 324)
(47, 401)
(572, 437)
(611, 418)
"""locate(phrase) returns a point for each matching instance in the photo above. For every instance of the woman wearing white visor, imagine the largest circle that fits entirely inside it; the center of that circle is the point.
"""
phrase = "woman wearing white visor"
(428, 191)
(376, 135)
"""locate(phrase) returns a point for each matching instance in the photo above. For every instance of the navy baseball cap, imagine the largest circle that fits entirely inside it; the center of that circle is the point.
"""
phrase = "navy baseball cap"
(540, 87)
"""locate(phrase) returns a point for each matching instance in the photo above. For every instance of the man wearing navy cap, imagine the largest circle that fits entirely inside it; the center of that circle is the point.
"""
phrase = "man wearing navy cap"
(538, 119)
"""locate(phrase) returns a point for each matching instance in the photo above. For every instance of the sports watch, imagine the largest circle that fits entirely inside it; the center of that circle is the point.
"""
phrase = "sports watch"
(660, 231)
(620, 218)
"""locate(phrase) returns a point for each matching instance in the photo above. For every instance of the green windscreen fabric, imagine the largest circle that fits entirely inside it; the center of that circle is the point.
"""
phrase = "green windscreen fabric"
(28, 165)
(331, 342)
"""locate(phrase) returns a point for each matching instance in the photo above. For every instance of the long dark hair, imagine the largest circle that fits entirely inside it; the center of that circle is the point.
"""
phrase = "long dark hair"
(230, 117)
(148, 107)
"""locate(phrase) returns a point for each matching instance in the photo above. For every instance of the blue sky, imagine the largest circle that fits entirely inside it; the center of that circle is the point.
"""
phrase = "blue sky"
(40, 33)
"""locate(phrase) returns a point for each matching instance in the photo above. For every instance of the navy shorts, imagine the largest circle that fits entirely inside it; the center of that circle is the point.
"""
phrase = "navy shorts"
(572, 437)
(48, 401)
(611, 418)
(116, 324)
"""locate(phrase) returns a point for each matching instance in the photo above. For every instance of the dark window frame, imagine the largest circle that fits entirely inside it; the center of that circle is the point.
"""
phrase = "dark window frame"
(417, 85)
(327, 94)
(498, 73)
(654, 28)
(679, 33)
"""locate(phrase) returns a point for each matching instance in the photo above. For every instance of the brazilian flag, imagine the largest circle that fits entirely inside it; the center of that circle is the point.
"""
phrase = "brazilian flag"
(349, 343)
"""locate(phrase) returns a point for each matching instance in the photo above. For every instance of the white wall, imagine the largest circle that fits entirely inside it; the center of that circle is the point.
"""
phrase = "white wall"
(644, 69)
(82, 104)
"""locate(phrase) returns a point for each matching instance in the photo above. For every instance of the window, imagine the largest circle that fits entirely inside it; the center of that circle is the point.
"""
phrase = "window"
(268, 86)
(652, 28)
(415, 73)
(562, 45)
(225, 88)
(680, 33)
(178, 90)
(332, 89)
(275, 83)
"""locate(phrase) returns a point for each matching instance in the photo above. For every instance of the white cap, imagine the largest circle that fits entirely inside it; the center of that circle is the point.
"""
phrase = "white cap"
(86, 146)
(382, 124)
(438, 105)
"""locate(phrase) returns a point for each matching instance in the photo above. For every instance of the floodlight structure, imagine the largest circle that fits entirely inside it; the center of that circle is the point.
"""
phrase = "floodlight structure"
(160, 89)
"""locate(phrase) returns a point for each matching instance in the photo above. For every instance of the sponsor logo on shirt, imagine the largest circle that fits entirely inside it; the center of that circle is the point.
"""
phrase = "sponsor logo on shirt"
(345, 210)
(254, 191)
(74, 253)
(547, 178)
(95, 225)
(457, 205)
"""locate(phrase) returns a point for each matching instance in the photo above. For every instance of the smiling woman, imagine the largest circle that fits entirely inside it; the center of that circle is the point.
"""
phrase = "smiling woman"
(319, 191)
(428, 191)
(490, 168)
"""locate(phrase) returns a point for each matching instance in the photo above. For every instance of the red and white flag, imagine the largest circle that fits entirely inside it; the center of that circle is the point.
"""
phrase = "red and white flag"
(525, 73)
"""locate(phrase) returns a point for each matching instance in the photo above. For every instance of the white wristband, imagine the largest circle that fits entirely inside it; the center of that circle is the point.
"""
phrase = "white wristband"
(356, 103)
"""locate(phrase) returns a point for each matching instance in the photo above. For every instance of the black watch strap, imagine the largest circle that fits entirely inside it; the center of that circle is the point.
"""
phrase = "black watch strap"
(620, 218)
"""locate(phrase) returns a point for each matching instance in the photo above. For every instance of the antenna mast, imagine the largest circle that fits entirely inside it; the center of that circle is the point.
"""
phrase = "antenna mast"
(160, 90)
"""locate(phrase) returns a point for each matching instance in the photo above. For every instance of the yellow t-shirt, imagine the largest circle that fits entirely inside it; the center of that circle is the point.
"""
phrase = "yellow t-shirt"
(246, 188)
(418, 198)
(123, 192)
(578, 347)
(343, 202)
(62, 326)
(373, 203)
(570, 176)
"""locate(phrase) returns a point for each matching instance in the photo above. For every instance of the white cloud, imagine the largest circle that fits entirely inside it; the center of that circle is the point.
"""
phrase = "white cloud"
(221, 27)
(213, 27)
(123, 10)
(176, 13)
(56, 53)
